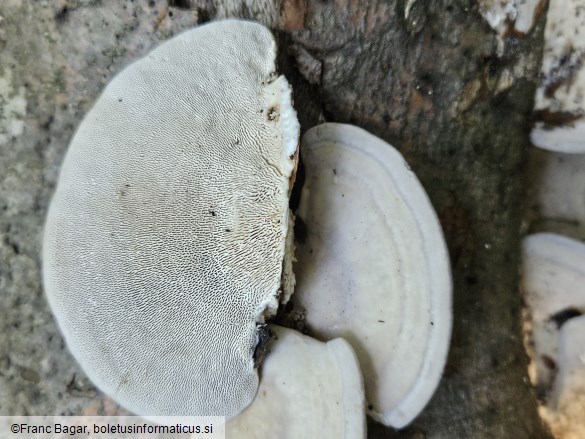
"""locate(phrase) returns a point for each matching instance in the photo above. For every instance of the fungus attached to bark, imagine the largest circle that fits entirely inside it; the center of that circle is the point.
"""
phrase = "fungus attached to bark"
(553, 285)
(568, 398)
(511, 16)
(373, 267)
(308, 389)
(165, 240)
(559, 98)
(557, 195)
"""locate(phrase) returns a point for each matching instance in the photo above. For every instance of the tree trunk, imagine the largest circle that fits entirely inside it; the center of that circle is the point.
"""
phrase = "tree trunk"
(424, 75)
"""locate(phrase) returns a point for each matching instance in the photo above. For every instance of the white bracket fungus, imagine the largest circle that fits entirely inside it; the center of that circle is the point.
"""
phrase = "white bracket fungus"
(165, 239)
(308, 389)
(553, 285)
(557, 194)
(169, 240)
(511, 16)
(373, 267)
(567, 419)
(560, 94)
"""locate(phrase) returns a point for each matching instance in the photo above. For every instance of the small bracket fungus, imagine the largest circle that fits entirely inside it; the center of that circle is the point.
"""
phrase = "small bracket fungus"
(373, 267)
(553, 285)
(559, 98)
(557, 195)
(567, 418)
(308, 389)
(511, 16)
(165, 240)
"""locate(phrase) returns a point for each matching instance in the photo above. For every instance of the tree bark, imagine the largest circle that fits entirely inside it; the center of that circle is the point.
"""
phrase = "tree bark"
(430, 84)
(424, 75)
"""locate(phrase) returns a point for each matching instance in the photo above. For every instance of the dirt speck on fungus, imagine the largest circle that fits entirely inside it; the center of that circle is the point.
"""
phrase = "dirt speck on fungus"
(273, 114)
(265, 338)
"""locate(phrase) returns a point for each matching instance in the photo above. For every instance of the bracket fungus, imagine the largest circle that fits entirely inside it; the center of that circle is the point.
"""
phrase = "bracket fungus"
(559, 98)
(373, 267)
(515, 17)
(168, 242)
(557, 192)
(165, 239)
(553, 285)
(308, 389)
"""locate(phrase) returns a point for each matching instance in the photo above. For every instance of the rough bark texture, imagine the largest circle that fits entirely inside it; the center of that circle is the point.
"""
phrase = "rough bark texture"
(430, 82)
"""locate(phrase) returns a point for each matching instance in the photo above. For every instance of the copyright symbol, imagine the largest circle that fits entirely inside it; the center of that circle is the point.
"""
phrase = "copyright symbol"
(15, 428)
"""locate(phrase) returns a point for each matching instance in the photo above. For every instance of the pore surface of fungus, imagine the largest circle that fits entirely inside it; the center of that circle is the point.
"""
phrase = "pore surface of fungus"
(165, 240)
(373, 267)
(308, 389)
